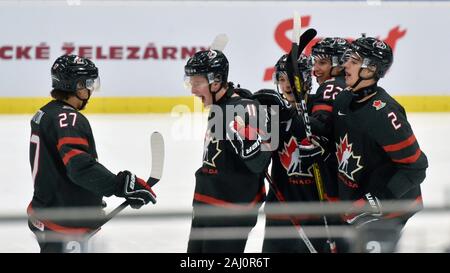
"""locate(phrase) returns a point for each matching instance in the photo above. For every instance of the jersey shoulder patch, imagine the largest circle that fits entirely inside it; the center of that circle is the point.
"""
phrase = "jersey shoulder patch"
(38, 117)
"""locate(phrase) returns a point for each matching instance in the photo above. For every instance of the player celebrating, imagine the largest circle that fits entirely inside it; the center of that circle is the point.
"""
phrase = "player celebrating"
(326, 55)
(291, 162)
(378, 155)
(64, 163)
(231, 176)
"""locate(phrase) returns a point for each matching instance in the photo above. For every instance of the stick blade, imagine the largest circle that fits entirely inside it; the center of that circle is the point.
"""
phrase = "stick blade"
(157, 152)
(306, 38)
(220, 42)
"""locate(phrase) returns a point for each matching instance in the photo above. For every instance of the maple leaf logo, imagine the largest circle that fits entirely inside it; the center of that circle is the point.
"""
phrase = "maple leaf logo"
(211, 150)
(290, 159)
(378, 104)
(348, 163)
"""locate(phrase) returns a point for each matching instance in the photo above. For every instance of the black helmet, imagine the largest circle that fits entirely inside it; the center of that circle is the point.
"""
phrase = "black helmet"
(332, 48)
(373, 52)
(71, 72)
(280, 67)
(304, 66)
(211, 63)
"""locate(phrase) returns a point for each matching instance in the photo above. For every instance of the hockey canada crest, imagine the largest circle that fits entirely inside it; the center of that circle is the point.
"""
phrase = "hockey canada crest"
(348, 163)
(290, 159)
(211, 150)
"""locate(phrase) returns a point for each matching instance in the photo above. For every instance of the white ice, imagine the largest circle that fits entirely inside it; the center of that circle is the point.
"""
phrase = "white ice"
(123, 143)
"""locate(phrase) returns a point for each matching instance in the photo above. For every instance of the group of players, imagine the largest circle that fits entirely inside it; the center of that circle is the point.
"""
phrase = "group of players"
(362, 142)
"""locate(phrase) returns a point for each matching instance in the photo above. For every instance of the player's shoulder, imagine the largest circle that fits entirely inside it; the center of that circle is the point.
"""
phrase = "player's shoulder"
(330, 80)
(337, 82)
(386, 116)
(343, 98)
(340, 81)
(56, 107)
(383, 104)
(57, 111)
(239, 99)
(243, 93)
(334, 83)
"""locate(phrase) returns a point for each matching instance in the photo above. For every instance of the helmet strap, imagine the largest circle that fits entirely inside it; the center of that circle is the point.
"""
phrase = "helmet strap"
(84, 101)
(213, 94)
(361, 78)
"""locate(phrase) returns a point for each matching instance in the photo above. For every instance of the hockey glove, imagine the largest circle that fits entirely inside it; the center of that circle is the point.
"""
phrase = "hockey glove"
(135, 190)
(309, 151)
(246, 139)
(271, 97)
(364, 211)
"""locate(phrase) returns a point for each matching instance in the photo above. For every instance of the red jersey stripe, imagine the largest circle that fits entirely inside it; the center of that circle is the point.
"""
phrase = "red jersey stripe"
(71, 154)
(331, 198)
(322, 107)
(409, 159)
(225, 204)
(72, 140)
(403, 144)
(58, 228)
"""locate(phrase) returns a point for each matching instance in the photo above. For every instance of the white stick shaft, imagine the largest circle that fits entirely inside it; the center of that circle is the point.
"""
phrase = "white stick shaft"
(296, 28)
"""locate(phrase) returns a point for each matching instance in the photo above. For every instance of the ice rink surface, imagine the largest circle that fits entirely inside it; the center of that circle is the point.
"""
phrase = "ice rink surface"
(123, 142)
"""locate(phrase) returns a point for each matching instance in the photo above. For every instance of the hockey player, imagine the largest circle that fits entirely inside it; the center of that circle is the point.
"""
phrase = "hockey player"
(231, 176)
(379, 158)
(326, 55)
(291, 162)
(64, 164)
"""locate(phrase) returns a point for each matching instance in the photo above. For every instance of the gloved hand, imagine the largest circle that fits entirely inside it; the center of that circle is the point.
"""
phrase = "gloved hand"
(135, 190)
(365, 210)
(271, 97)
(246, 139)
(310, 151)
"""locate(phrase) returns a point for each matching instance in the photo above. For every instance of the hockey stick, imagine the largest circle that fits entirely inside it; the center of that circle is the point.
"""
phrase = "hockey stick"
(157, 154)
(294, 79)
(220, 41)
(296, 223)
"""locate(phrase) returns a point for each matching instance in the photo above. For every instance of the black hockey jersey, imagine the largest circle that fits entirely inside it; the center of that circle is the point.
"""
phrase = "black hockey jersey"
(320, 106)
(376, 149)
(64, 165)
(232, 173)
(293, 179)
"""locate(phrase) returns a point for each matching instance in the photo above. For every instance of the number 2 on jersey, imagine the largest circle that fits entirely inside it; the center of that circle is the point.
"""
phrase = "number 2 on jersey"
(394, 120)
